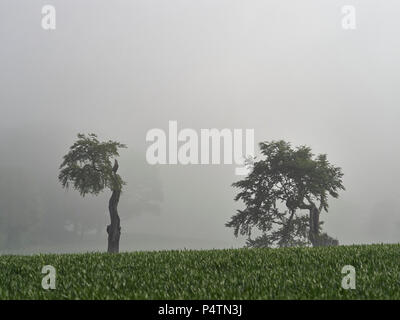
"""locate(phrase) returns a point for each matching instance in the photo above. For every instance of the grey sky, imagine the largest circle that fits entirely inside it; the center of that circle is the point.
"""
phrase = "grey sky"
(285, 68)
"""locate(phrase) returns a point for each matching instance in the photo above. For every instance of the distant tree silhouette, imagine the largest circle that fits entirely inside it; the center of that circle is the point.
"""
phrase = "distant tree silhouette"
(88, 167)
(279, 186)
(21, 207)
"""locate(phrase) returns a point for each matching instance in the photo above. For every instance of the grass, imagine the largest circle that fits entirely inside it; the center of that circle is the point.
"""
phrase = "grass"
(290, 273)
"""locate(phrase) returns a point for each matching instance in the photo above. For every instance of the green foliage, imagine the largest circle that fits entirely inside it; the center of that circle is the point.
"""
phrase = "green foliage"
(283, 182)
(293, 234)
(88, 167)
(287, 273)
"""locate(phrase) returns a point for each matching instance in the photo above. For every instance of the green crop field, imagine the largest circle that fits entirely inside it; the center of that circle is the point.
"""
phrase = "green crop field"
(290, 273)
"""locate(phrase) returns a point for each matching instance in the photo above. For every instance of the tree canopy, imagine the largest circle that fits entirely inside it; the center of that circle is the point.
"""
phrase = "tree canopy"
(88, 167)
(281, 184)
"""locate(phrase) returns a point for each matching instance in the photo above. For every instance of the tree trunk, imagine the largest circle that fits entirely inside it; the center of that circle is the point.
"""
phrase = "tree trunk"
(114, 229)
(286, 235)
(314, 226)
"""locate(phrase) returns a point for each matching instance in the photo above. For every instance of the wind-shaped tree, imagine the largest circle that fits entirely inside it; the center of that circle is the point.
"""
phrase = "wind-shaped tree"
(285, 181)
(88, 168)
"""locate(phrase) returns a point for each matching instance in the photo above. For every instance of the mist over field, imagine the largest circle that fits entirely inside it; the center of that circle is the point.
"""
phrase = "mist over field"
(119, 69)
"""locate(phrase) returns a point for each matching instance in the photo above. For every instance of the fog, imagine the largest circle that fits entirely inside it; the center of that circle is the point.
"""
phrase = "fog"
(286, 69)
